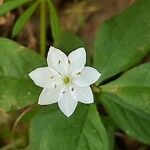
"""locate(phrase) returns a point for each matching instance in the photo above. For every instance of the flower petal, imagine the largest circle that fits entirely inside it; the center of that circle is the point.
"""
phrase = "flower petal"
(87, 76)
(49, 96)
(77, 60)
(57, 60)
(82, 94)
(66, 102)
(45, 77)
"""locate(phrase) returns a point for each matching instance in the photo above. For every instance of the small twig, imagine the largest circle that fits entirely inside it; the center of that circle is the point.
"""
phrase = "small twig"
(21, 115)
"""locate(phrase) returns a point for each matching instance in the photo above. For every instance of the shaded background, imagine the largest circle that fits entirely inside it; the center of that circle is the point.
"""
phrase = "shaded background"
(80, 16)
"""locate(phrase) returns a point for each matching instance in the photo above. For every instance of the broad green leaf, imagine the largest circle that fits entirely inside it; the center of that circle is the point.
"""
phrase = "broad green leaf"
(69, 41)
(110, 128)
(52, 130)
(124, 40)
(8, 6)
(54, 22)
(130, 122)
(24, 18)
(16, 61)
(133, 89)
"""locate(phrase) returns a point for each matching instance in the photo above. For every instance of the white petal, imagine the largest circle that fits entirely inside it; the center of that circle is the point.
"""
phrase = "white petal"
(57, 60)
(82, 94)
(77, 60)
(45, 77)
(49, 96)
(87, 77)
(66, 102)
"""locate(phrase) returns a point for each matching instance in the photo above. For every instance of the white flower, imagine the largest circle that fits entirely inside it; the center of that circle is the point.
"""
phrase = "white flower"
(66, 80)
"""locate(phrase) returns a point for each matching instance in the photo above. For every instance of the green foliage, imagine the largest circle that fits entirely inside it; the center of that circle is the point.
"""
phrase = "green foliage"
(54, 22)
(16, 89)
(110, 128)
(44, 5)
(133, 88)
(67, 46)
(24, 18)
(50, 129)
(127, 102)
(123, 41)
(133, 124)
(10, 5)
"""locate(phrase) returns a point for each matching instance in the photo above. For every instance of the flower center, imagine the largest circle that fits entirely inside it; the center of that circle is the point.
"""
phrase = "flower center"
(67, 80)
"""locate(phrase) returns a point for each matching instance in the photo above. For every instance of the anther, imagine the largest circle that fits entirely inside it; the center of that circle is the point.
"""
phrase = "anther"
(52, 77)
(69, 62)
(64, 92)
(78, 73)
(72, 89)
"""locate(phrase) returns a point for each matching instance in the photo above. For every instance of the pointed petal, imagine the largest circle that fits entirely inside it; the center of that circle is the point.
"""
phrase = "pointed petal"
(49, 96)
(87, 76)
(57, 60)
(77, 60)
(82, 94)
(45, 77)
(66, 102)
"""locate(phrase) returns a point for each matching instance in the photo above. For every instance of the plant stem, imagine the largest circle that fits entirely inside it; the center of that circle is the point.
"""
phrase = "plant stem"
(28, 109)
(43, 28)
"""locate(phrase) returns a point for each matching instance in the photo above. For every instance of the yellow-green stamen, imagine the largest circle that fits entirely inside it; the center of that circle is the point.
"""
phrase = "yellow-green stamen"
(67, 80)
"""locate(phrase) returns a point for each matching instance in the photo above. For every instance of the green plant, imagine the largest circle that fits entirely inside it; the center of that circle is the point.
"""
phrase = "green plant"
(123, 90)
(23, 19)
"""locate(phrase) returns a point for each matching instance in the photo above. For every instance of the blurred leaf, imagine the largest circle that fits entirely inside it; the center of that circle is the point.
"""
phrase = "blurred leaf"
(24, 18)
(16, 61)
(130, 122)
(54, 22)
(133, 89)
(51, 130)
(8, 6)
(124, 40)
(110, 128)
(69, 41)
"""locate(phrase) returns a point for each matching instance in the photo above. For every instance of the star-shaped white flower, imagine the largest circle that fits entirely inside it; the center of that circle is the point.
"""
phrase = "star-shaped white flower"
(66, 80)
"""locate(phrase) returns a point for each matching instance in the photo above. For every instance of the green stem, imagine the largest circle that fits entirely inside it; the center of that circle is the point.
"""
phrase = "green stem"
(43, 28)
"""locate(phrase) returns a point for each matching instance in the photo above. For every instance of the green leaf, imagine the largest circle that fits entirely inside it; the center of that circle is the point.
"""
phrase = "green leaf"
(54, 21)
(110, 128)
(69, 41)
(24, 18)
(133, 89)
(51, 130)
(16, 61)
(124, 40)
(8, 6)
(130, 122)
